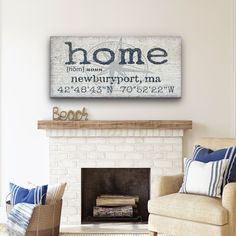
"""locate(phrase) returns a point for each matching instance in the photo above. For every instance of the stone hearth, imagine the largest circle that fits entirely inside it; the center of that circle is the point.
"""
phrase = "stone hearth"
(73, 149)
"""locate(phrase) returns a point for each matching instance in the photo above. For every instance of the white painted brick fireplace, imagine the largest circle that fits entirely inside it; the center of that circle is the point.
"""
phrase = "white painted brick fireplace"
(73, 149)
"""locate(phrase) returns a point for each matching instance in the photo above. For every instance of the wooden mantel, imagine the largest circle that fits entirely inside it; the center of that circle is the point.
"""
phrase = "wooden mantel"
(116, 124)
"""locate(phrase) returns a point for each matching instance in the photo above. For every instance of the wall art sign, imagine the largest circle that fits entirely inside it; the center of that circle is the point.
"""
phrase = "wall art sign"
(115, 67)
(70, 115)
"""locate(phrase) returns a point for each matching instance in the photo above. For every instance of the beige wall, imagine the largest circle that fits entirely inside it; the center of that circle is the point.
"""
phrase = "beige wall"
(208, 87)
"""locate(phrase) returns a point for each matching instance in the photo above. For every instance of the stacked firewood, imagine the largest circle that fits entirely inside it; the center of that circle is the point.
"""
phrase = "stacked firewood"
(115, 206)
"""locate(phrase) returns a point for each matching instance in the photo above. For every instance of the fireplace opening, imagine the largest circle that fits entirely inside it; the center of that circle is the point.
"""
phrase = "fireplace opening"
(115, 194)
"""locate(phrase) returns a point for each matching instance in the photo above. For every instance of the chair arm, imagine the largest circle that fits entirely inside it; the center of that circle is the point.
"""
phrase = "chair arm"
(229, 202)
(164, 185)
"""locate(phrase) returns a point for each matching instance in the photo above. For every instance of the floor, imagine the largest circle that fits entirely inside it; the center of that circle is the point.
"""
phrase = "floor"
(113, 228)
(98, 229)
(106, 228)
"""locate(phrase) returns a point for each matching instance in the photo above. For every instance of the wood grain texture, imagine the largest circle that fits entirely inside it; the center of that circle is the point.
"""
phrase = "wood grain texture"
(125, 211)
(152, 233)
(115, 201)
(116, 124)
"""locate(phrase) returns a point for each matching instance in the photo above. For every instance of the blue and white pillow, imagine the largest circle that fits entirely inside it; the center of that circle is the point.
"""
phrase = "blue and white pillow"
(206, 155)
(203, 178)
(33, 196)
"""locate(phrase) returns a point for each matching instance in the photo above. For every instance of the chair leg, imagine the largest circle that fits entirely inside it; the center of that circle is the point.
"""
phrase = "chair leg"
(151, 233)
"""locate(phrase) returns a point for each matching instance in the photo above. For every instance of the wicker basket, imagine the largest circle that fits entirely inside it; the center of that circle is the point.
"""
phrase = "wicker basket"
(45, 220)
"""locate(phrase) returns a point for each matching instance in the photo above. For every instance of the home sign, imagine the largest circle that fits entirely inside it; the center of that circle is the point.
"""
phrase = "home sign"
(125, 67)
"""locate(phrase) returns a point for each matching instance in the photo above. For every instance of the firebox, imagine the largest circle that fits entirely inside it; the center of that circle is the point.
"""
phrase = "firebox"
(114, 194)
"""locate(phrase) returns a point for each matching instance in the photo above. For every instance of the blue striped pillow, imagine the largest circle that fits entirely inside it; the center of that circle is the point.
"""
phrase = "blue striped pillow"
(206, 155)
(33, 196)
(203, 178)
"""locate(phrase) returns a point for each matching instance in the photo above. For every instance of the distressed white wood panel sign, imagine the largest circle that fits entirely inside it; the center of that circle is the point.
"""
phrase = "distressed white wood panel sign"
(116, 67)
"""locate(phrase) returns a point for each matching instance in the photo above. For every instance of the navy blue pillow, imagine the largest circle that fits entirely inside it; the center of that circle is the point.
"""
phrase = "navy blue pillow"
(206, 155)
(33, 196)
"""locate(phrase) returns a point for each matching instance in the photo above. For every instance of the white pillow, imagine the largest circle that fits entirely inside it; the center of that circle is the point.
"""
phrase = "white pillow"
(55, 193)
(203, 178)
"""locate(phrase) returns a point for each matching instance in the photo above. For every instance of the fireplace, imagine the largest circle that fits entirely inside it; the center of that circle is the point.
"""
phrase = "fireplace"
(117, 183)
(75, 147)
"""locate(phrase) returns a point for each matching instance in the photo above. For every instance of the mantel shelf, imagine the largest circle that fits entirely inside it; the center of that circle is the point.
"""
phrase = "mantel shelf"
(115, 124)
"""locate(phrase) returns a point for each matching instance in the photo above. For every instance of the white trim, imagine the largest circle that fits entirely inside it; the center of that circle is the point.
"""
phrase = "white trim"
(234, 69)
(1, 167)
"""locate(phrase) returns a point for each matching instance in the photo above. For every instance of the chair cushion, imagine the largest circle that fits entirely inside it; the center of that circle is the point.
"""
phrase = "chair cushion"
(190, 207)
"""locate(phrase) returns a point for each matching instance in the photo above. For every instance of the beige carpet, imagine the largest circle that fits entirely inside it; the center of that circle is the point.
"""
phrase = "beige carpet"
(104, 234)
(3, 232)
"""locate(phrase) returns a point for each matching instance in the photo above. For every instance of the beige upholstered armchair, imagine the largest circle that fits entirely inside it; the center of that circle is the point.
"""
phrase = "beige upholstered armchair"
(179, 214)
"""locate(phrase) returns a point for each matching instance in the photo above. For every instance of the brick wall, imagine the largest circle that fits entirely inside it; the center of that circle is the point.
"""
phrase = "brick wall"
(71, 150)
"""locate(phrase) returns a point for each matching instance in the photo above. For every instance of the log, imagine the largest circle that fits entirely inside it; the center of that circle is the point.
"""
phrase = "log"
(120, 196)
(126, 211)
(100, 201)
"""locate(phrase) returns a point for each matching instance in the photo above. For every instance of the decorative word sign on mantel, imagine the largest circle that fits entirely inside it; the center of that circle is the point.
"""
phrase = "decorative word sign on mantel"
(116, 67)
(69, 115)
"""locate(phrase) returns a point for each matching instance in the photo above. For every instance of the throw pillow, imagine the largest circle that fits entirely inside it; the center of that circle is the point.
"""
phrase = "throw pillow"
(55, 192)
(205, 155)
(203, 178)
(33, 196)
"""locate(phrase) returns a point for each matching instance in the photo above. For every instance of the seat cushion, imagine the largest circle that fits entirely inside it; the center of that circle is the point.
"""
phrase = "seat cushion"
(190, 207)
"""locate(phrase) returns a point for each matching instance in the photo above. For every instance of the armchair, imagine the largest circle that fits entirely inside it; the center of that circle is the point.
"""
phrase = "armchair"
(179, 214)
